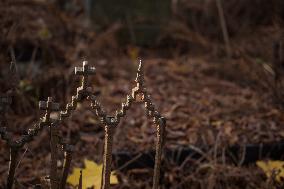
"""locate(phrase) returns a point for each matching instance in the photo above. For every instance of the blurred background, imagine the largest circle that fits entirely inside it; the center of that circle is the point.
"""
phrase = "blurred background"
(214, 69)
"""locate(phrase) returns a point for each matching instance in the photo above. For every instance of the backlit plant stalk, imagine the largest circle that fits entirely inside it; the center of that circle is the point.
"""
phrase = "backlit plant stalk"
(107, 159)
(139, 94)
(159, 146)
(50, 106)
(14, 152)
(67, 163)
(54, 156)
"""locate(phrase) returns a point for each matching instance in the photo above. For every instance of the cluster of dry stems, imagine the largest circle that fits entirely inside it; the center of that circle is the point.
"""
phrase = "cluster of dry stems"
(139, 94)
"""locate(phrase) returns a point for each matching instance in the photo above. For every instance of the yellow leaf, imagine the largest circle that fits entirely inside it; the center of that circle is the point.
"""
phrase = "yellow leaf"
(180, 68)
(25, 85)
(91, 175)
(272, 167)
(133, 53)
(217, 123)
(92, 120)
(44, 33)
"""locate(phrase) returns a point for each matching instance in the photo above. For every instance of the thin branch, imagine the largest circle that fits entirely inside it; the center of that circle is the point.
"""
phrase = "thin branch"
(12, 166)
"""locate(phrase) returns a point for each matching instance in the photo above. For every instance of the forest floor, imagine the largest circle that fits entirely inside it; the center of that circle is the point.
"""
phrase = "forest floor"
(211, 102)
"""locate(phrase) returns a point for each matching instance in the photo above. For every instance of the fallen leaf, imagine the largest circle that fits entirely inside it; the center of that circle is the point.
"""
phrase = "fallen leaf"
(25, 85)
(272, 168)
(44, 33)
(93, 121)
(133, 53)
(91, 175)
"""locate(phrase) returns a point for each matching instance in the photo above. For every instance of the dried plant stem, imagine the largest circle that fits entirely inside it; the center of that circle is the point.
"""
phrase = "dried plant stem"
(54, 156)
(224, 27)
(107, 157)
(66, 168)
(139, 93)
(80, 180)
(14, 152)
(158, 156)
